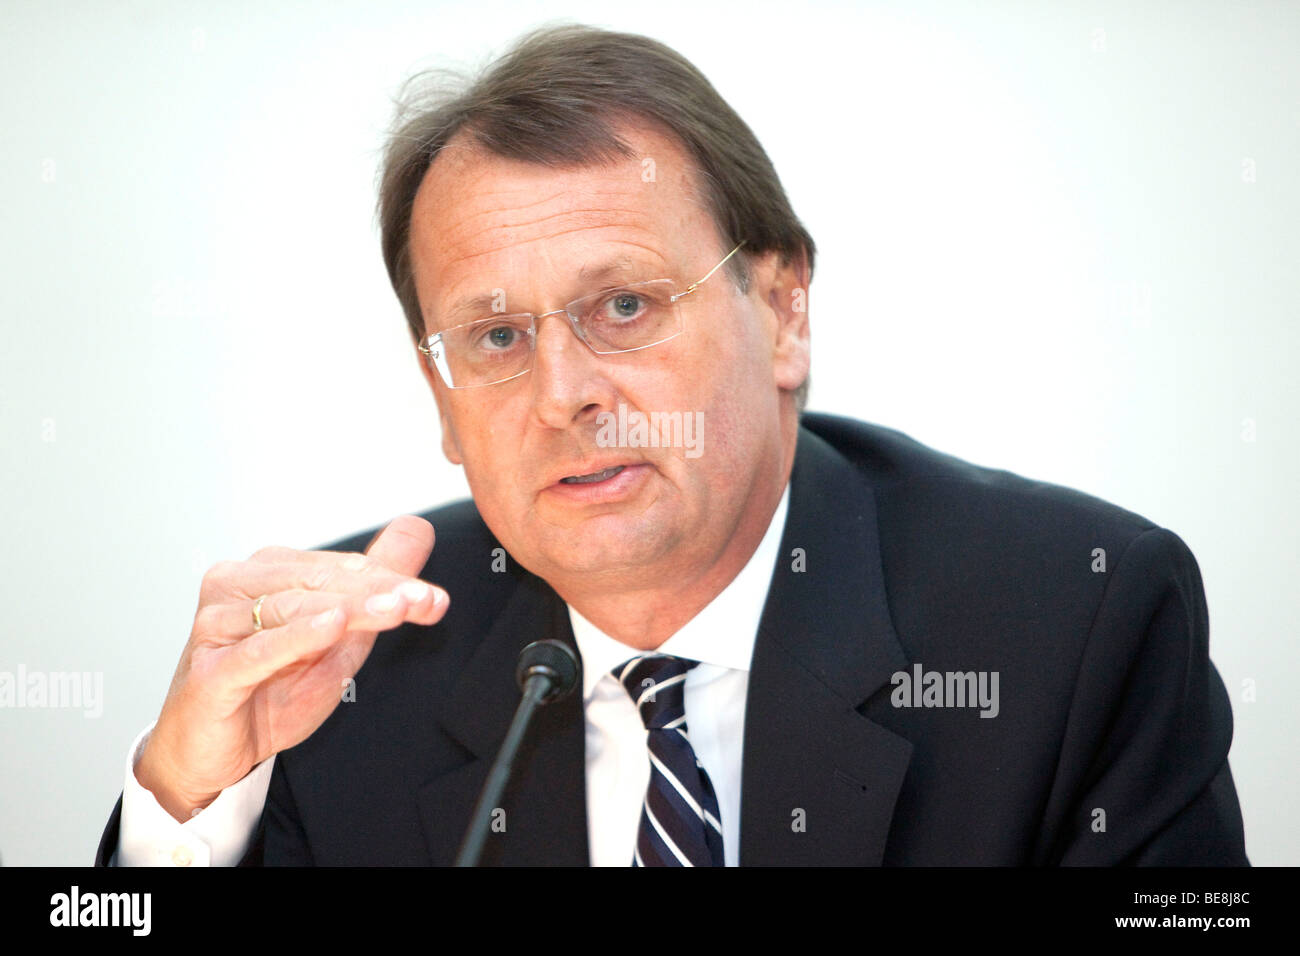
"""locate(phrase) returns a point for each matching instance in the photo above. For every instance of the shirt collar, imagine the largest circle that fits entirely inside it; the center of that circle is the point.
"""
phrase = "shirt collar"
(722, 633)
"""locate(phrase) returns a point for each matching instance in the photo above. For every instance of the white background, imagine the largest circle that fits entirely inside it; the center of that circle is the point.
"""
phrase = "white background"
(1063, 236)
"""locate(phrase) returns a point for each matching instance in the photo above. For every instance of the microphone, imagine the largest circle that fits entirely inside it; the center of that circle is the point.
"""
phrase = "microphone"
(547, 671)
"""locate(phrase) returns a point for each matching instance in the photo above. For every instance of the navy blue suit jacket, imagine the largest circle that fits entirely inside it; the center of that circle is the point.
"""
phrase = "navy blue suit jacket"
(1109, 745)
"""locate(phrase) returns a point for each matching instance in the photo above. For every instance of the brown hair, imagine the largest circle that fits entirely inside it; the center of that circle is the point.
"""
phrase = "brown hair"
(553, 99)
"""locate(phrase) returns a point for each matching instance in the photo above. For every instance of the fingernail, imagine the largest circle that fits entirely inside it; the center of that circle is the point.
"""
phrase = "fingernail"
(325, 618)
(414, 591)
(379, 603)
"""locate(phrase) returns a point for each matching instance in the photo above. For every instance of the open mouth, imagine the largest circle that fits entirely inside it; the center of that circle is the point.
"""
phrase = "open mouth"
(593, 477)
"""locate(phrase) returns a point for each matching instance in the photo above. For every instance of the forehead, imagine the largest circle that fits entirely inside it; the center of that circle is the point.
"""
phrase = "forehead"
(482, 222)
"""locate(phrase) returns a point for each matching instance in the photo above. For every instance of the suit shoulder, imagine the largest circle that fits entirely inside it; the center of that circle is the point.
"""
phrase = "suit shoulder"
(940, 492)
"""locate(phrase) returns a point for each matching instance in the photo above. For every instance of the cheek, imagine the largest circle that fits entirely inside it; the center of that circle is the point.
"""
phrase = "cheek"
(734, 375)
(735, 334)
(729, 431)
(487, 467)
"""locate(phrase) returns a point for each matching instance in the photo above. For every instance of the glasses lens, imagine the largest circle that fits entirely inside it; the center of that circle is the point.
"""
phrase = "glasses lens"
(488, 351)
(629, 317)
(498, 348)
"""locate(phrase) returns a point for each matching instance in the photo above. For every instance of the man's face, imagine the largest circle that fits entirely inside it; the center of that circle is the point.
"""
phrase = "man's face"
(484, 225)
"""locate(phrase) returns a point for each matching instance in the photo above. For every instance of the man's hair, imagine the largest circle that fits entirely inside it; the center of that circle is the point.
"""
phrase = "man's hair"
(554, 99)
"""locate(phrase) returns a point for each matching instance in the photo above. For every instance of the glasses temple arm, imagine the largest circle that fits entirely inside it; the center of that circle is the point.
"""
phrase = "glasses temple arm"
(696, 284)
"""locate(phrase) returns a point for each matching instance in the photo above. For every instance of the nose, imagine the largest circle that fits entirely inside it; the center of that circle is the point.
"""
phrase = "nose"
(569, 381)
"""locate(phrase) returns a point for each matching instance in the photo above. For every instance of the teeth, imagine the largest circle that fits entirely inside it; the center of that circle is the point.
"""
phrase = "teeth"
(588, 479)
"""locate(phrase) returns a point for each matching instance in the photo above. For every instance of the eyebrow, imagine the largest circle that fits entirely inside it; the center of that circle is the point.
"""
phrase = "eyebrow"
(618, 269)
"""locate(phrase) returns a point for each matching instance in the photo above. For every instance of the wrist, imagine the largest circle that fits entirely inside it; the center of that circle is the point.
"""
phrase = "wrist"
(152, 773)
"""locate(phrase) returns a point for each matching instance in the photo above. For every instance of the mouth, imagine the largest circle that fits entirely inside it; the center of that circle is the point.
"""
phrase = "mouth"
(596, 476)
(604, 486)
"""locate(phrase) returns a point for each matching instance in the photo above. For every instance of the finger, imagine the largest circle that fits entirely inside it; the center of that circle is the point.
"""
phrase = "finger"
(424, 604)
(258, 657)
(231, 581)
(404, 546)
(277, 554)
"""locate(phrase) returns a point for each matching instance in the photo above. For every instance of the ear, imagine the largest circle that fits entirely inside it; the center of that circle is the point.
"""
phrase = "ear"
(783, 288)
(450, 446)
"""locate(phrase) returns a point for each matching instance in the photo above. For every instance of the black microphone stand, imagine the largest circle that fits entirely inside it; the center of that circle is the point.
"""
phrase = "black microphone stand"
(546, 672)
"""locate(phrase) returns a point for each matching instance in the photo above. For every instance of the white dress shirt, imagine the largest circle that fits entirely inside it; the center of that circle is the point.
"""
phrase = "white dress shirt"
(721, 637)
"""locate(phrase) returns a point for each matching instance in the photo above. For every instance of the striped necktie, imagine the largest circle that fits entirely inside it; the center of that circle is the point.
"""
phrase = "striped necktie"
(680, 822)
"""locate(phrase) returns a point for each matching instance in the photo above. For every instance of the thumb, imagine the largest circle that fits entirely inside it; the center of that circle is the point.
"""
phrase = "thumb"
(404, 545)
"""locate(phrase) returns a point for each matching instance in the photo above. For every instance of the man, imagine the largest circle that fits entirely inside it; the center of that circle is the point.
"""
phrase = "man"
(803, 639)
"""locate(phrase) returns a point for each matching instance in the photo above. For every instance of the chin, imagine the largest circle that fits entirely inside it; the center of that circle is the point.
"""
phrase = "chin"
(610, 543)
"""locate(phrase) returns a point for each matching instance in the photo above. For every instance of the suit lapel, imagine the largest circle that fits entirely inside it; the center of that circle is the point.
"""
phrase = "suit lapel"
(544, 820)
(820, 781)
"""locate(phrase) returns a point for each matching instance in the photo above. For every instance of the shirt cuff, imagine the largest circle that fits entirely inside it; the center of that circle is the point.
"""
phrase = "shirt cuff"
(218, 835)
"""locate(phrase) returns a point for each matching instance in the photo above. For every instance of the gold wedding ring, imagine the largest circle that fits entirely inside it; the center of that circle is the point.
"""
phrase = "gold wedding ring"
(257, 613)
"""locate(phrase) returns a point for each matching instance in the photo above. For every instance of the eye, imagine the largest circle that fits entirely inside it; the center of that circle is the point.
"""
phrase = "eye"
(622, 307)
(497, 338)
